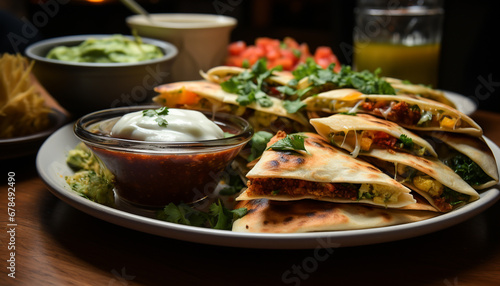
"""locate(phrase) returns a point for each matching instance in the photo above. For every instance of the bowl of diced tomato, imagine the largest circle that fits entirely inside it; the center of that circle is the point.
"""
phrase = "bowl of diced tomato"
(287, 53)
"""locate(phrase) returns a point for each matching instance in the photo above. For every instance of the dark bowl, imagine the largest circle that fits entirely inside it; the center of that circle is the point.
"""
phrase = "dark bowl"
(85, 87)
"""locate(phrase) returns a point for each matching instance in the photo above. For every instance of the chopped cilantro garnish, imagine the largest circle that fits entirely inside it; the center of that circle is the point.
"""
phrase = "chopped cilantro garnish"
(326, 79)
(249, 85)
(218, 217)
(292, 142)
(453, 197)
(259, 143)
(293, 106)
(467, 170)
(406, 141)
(162, 122)
(234, 184)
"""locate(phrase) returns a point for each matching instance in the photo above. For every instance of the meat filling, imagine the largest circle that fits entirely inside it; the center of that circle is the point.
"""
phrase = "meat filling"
(295, 187)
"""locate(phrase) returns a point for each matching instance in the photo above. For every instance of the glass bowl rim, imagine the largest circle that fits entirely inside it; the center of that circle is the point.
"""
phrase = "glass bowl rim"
(137, 146)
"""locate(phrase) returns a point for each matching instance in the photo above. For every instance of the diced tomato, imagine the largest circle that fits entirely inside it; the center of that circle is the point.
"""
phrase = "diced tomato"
(264, 42)
(324, 56)
(288, 53)
(253, 54)
(304, 52)
(290, 43)
(273, 53)
(285, 63)
(235, 61)
(236, 48)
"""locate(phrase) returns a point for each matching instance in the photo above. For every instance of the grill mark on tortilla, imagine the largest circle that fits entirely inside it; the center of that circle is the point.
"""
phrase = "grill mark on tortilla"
(300, 161)
(283, 158)
(310, 214)
(273, 164)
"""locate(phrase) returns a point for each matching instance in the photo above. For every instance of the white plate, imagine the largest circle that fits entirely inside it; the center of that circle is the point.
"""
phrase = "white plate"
(462, 103)
(52, 168)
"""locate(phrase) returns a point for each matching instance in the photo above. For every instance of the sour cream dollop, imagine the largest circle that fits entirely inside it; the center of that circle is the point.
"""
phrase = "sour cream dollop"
(182, 125)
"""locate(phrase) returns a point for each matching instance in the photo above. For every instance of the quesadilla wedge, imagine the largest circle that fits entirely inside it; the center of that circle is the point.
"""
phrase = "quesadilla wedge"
(470, 157)
(364, 132)
(204, 95)
(402, 87)
(414, 113)
(221, 74)
(321, 172)
(436, 182)
(267, 216)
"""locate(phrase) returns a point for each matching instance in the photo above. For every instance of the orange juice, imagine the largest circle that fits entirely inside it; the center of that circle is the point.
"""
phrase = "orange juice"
(418, 64)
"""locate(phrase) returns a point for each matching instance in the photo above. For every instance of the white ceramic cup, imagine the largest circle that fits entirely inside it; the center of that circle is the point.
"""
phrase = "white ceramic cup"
(201, 39)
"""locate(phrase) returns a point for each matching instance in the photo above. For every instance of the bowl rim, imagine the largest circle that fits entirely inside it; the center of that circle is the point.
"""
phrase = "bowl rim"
(170, 51)
(156, 147)
(220, 21)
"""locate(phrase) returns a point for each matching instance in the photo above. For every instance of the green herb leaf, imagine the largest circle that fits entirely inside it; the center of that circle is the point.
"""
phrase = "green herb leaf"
(467, 169)
(218, 217)
(183, 214)
(293, 106)
(250, 84)
(453, 197)
(326, 79)
(223, 218)
(258, 144)
(292, 142)
(406, 141)
(162, 122)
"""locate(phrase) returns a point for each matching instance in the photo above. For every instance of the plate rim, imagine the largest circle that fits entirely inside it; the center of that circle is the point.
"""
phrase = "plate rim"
(57, 120)
(325, 239)
(459, 100)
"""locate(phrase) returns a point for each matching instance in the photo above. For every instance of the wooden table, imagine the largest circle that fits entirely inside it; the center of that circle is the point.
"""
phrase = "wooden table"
(55, 244)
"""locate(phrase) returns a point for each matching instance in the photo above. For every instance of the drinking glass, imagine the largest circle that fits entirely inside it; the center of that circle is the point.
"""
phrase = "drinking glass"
(402, 38)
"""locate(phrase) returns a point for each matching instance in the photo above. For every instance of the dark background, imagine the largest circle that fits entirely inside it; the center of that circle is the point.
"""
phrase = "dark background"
(469, 62)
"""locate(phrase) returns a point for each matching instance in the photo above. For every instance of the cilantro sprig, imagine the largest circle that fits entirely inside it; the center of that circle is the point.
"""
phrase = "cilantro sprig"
(326, 79)
(162, 122)
(218, 216)
(467, 169)
(406, 142)
(249, 85)
(292, 142)
(258, 144)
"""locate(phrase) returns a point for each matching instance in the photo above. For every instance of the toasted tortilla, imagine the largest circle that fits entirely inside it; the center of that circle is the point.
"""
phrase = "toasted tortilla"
(474, 148)
(213, 98)
(397, 162)
(444, 117)
(353, 125)
(402, 87)
(266, 216)
(322, 166)
(220, 74)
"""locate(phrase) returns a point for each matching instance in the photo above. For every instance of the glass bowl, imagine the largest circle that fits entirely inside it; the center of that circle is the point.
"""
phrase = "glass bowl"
(154, 174)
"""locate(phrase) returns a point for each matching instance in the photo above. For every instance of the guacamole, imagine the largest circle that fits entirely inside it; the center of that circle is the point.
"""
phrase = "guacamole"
(114, 49)
(91, 179)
